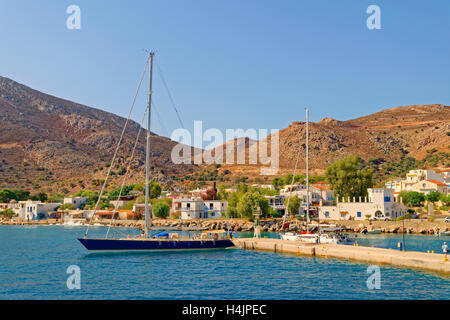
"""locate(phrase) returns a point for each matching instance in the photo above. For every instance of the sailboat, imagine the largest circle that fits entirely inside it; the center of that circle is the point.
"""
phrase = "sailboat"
(159, 241)
(304, 236)
(314, 237)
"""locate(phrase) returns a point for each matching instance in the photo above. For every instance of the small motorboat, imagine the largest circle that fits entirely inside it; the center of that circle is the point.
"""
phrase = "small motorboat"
(336, 238)
(303, 237)
(374, 231)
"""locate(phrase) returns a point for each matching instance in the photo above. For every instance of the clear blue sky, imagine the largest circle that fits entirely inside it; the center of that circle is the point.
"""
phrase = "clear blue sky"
(235, 63)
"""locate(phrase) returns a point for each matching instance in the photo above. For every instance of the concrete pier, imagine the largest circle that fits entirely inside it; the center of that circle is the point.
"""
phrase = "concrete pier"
(408, 259)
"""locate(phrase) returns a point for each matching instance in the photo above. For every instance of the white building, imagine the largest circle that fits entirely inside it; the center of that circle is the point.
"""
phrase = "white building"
(199, 209)
(277, 203)
(31, 210)
(420, 180)
(264, 186)
(381, 201)
(427, 186)
(319, 193)
(76, 201)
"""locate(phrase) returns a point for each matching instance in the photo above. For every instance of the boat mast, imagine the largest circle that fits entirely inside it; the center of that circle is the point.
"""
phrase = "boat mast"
(307, 173)
(148, 218)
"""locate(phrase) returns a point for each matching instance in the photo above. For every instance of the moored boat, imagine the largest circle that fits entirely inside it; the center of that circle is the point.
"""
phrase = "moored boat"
(218, 239)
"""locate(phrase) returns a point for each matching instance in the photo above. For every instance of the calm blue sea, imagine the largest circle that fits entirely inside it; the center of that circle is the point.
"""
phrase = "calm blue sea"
(34, 261)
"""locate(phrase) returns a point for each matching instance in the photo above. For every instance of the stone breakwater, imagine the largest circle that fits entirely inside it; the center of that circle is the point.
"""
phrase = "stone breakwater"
(273, 225)
(241, 225)
(410, 259)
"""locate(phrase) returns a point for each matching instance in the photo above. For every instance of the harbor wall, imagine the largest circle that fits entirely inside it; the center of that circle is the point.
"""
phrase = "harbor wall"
(409, 259)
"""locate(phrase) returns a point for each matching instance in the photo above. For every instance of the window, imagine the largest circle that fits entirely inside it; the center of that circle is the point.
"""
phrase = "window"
(211, 206)
(358, 214)
(327, 214)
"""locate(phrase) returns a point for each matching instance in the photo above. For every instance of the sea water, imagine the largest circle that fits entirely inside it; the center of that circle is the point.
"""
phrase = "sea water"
(34, 261)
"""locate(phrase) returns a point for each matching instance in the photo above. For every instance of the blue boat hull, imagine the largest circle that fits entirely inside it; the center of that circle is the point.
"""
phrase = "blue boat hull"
(152, 244)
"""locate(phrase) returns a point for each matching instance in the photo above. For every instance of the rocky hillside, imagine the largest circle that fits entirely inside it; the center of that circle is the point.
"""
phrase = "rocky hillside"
(389, 134)
(53, 144)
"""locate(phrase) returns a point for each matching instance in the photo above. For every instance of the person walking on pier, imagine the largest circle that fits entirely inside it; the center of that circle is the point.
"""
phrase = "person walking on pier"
(445, 250)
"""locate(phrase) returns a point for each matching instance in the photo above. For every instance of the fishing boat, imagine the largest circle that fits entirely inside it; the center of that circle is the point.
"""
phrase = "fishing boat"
(374, 231)
(153, 239)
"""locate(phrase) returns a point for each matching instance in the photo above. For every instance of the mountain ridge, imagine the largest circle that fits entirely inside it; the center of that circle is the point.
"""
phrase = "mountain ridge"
(59, 145)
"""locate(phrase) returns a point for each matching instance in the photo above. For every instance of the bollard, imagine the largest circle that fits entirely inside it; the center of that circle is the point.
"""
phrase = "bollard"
(399, 246)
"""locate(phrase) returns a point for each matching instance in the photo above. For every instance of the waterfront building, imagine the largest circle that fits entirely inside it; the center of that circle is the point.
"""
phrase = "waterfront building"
(319, 193)
(380, 201)
(32, 210)
(76, 201)
(427, 186)
(420, 180)
(277, 203)
(191, 208)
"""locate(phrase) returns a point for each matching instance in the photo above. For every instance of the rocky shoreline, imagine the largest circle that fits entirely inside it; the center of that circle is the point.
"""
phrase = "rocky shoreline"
(272, 225)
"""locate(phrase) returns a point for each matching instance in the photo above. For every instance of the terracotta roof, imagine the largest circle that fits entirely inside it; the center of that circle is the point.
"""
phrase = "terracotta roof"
(437, 182)
(321, 187)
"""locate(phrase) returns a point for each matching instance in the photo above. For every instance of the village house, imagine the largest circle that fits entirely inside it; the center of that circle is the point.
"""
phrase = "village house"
(277, 203)
(76, 201)
(427, 186)
(198, 208)
(420, 180)
(381, 201)
(32, 210)
(319, 193)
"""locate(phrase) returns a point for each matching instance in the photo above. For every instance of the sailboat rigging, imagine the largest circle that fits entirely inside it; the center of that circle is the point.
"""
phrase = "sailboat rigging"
(307, 236)
(161, 241)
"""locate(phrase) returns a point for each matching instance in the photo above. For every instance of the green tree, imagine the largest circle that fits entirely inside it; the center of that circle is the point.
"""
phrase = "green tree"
(67, 206)
(348, 179)
(22, 195)
(433, 196)
(6, 195)
(106, 206)
(294, 204)
(42, 196)
(242, 188)
(161, 209)
(415, 198)
(221, 193)
(288, 179)
(247, 202)
(8, 213)
(277, 182)
(155, 190)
